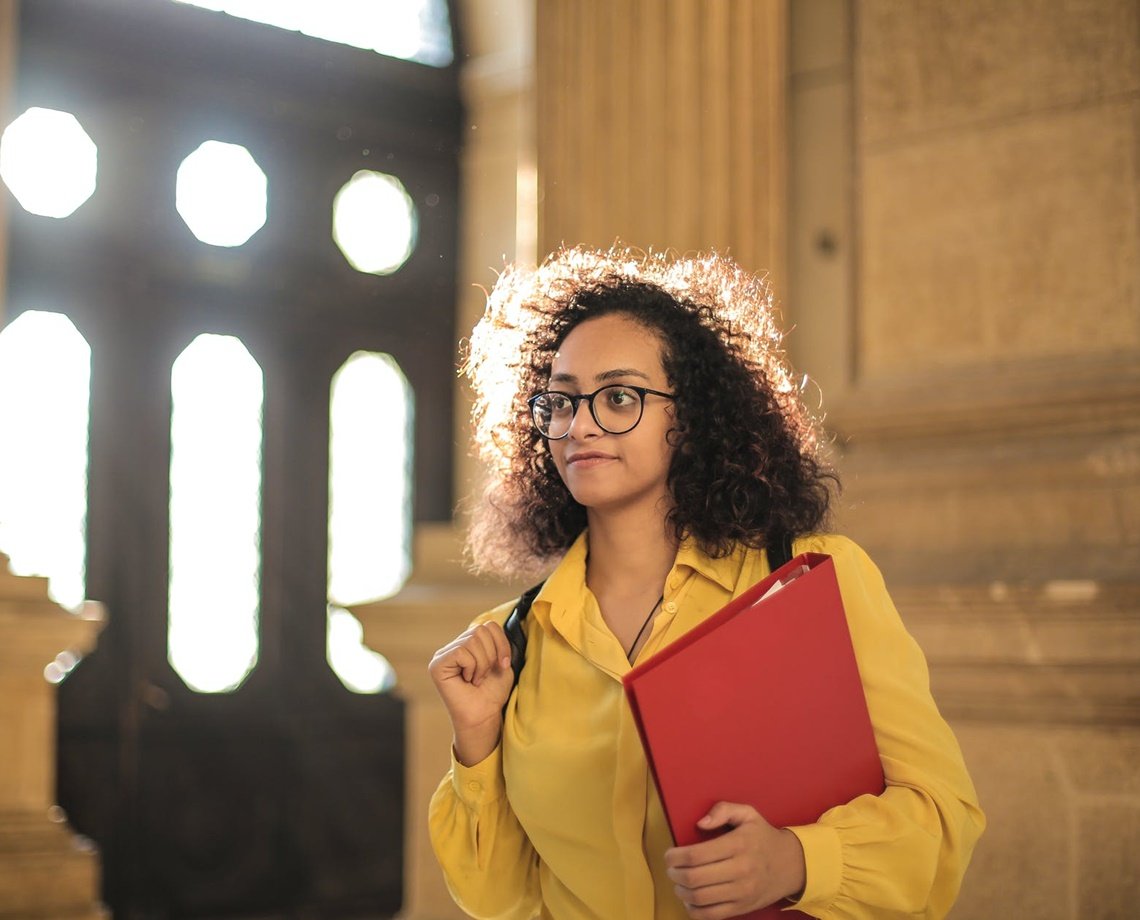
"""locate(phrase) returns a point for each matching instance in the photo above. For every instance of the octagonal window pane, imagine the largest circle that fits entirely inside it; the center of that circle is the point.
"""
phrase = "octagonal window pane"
(415, 30)
(221, 193)
(215, 513)
(48, 162)
(374, 222)
(45, 373)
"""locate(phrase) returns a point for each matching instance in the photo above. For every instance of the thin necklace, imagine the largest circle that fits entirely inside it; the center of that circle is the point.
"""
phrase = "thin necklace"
(629, 654)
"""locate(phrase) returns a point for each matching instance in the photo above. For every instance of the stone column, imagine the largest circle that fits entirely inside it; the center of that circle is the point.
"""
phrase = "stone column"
(665, 124)
(45, 870)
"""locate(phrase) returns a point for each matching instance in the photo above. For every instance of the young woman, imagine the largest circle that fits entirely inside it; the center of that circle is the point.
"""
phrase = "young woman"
(644, 438)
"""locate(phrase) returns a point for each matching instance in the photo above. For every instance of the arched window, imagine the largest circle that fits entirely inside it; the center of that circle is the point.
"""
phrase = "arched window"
(370, 522)
(45, 371)
(215, 513)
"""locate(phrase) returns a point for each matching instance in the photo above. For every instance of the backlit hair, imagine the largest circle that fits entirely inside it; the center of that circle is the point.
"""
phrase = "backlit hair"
(745, 464)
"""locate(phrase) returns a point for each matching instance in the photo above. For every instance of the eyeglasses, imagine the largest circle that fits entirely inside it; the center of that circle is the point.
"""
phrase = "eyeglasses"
(616, 408)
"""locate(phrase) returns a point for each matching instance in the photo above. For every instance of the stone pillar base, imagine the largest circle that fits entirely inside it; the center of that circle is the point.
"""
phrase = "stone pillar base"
(46, 871)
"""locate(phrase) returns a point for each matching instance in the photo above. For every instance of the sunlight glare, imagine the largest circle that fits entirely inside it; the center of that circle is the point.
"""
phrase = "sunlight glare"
(221, 193)
(48, 162)
(374, 222)
(359, 668)
(45, 377)
(414, 30)
(215, 513)
(370, 464)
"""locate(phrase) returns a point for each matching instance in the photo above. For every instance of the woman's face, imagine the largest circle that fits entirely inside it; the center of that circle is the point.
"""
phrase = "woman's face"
(603, 471)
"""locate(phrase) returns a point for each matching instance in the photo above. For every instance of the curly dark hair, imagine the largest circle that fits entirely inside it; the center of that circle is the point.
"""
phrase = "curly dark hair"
(745, 465)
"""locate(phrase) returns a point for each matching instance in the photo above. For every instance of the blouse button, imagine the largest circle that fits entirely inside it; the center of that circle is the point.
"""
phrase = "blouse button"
(671, 607)
(473, 786)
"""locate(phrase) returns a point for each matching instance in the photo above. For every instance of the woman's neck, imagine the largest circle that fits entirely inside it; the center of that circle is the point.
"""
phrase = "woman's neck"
(629, 549)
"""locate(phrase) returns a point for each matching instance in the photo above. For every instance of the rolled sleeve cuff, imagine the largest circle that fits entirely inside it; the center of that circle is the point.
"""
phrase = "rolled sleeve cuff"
(482, 783)
(823, 859)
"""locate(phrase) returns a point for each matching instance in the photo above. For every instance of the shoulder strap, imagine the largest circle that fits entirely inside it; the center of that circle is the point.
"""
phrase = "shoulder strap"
(779, 551)
(513, 627)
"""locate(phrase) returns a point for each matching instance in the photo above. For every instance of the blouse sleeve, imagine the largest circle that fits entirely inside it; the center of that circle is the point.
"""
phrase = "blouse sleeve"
(902, 853)
(488, 862)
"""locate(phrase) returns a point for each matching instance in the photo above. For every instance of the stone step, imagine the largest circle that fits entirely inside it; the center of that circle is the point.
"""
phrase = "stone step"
(48, 873)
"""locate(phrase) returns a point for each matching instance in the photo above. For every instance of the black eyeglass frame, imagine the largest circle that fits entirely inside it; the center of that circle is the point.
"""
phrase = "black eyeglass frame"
(576, 401)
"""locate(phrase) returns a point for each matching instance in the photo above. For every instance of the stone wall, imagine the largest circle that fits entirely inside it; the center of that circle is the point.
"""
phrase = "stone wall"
(965, 286)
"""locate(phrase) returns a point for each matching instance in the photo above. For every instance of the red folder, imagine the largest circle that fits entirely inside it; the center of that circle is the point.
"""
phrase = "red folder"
(760, 704)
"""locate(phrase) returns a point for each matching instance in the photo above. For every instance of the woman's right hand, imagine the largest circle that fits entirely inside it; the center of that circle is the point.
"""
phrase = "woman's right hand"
(473, 677)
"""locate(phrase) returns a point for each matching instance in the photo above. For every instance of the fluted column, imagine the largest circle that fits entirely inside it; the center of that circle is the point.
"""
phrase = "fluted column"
(664, 124)
(45, 870)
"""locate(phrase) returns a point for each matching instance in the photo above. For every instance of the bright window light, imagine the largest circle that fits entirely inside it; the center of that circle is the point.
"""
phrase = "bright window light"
(48, 162)
(221, 193)
(359, 668)
(215, 513)
(414, 30)
(374, 222)
(45, 374)
(370, 493)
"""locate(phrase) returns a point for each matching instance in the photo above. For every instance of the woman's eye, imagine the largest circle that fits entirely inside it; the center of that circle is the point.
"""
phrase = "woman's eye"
(622, 399)
(559, 403)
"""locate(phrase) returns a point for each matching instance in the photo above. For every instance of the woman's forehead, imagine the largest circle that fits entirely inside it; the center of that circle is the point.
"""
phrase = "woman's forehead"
(598, 346)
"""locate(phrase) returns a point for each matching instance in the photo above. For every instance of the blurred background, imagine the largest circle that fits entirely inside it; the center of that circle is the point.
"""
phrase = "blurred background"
(241, 244)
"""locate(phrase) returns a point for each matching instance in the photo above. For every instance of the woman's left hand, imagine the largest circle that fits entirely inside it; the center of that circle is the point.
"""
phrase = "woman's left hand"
(750, 866)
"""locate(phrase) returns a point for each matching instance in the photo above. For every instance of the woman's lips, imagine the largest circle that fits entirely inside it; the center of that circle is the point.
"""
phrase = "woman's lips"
(588, 458)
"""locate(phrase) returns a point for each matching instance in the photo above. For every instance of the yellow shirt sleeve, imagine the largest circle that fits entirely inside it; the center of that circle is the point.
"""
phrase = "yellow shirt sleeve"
(488, 863)
(902, 853)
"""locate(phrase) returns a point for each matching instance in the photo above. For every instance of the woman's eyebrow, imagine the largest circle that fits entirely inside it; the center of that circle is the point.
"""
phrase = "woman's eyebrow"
(614, 374)
(621, 372)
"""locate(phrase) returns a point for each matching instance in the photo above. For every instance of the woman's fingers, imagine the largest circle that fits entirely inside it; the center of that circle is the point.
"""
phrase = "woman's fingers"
(474, 654)
(488, 654)
(752, 865)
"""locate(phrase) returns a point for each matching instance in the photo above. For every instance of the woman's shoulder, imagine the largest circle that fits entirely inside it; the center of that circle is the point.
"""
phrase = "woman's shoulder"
(500, 612)
(848, 554)
(830, 544)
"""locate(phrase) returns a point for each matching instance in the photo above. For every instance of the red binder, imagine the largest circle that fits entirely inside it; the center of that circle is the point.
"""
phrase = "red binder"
(760, 704)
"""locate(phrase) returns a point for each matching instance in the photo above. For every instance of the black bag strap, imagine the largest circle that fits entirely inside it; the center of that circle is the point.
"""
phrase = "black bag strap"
(779, 553)
(516, 634)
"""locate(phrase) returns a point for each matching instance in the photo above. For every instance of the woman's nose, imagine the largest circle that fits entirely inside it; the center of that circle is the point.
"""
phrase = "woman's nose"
(582, 422)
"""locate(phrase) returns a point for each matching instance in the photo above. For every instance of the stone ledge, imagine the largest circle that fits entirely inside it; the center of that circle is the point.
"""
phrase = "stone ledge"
(21, 587)
(38, 628)
(1028, 399)
(45, 870)
(1061, 652)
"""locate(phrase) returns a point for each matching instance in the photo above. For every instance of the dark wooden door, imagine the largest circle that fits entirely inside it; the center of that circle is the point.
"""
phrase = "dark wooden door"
(283, 798)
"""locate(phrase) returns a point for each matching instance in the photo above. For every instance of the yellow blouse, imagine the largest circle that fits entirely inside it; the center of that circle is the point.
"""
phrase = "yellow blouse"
(562, 820)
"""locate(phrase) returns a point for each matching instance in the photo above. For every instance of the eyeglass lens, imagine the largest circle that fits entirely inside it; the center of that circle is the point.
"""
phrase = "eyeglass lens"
(616, 409)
